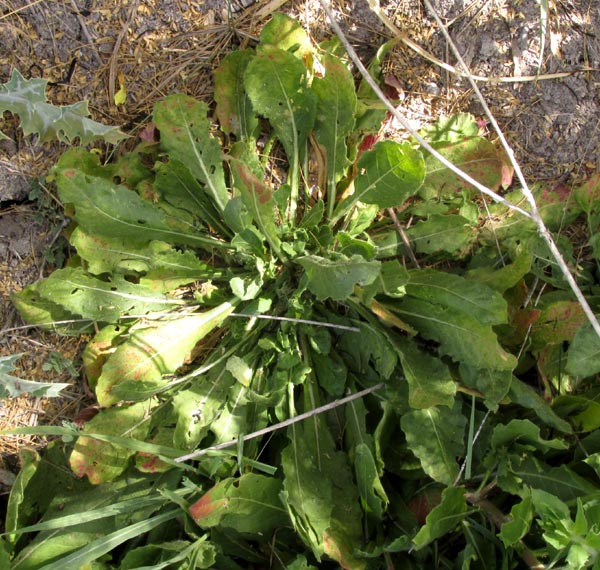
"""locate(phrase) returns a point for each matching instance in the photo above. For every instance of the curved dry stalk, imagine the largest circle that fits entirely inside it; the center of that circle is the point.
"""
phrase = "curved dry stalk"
(283, 424)
(533, 215)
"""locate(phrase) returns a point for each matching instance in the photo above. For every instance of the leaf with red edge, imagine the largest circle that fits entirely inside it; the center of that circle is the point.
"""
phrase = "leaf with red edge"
(476, 156)
(102, 461)
(558, 322)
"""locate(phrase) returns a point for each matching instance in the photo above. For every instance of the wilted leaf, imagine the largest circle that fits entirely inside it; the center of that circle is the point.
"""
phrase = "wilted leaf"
(436, 437)
(27, 98)
(557, 322)
(13, 387)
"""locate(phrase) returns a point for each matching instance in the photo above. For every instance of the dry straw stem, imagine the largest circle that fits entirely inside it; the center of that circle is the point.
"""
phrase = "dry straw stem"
(283, 424)
(534, 214)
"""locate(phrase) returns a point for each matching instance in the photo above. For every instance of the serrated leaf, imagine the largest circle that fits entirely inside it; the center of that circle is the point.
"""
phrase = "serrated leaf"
(110, 210)
(335, 279)
(234, 109)
(104, 301)
(429, 380)
(471, 297)
(449, 233)
(13, 387)
(150, 351)
(102, 461)
(506, 277)
(387, 175)
(460, 335)
(436, 437)
(583, 357)
(27, 98)
(248, 505)
(185, 133)
(443, 518)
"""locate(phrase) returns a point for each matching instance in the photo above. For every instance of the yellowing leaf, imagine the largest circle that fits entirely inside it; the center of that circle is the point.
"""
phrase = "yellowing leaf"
(121, 94)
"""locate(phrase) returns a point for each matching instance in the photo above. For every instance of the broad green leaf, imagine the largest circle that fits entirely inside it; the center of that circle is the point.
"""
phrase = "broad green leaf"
(336, 108)
(276, 82)
(335, 278)
(248, 505)
(104, 301)
(372, 492)
(523, 395)
(519, 475)
(151, 351)
(234, 109)
(493, 384)
(258, 198)
(476, 156)
(505, 277)
(583, 357)
(388, 175)
(320, 497)
(165, 554)
(102, 461)
(450, 233)
(20, 506)
(519, 523)
(116, 255)
(429, 380)
(436, 437)
(27, 98)
(13, 387)
(443, 518)
(526, 434)
(175, 185)
(286, 33)
(185, 133)
(460, 335)
(110, 210)
(453, 291)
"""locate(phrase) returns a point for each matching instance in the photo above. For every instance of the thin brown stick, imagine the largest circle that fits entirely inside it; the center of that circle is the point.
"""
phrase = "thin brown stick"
(404, 237)
(283, 424)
